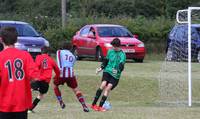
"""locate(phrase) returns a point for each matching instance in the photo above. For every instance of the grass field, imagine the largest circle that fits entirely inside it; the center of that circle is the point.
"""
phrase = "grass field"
(136, 96)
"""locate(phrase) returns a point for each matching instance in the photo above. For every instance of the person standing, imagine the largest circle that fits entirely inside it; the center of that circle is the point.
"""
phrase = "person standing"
(112, 67)
(66, 61)
(17, 68)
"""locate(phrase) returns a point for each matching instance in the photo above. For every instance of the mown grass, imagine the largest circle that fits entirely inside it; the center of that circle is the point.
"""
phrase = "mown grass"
(136, 96)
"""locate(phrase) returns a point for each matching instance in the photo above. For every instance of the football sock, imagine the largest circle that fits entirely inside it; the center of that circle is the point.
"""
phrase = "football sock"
(81, 99)
(98, 94)
(58, 94)
(103, 99)
(34, 104)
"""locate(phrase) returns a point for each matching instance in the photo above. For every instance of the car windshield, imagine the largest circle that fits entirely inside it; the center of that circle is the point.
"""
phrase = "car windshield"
(113, 32)
(24, 30)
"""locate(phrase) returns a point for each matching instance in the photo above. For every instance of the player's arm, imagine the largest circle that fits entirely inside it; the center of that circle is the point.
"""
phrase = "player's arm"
(33, 70)
(0, 77)
(37, 62)
(122, 61)
(56, 69)
(58, 58)
(105, 60)
(104, 63)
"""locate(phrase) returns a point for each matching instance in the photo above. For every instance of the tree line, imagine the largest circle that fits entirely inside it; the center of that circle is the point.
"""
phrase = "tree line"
(150, 19)
(110, 8)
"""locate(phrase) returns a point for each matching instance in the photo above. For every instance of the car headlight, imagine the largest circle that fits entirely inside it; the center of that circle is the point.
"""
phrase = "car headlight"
(46, 43)
(141, 45)
(108, 45)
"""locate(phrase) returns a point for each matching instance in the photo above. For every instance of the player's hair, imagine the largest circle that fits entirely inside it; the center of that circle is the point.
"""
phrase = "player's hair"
(46, 50)
(65, 45)
(8, 35)
(116, 42)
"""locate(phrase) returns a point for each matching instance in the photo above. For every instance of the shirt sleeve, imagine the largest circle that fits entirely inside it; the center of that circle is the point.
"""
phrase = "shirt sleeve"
(105, 60)
(33, 71)
(108, 54)
(123, 57)
(58, 58)
(0, 77)
(122, 61)
(37, 62)
(56, 68)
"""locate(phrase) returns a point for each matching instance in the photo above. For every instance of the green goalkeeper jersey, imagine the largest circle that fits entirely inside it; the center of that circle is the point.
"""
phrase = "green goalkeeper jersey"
(114, 59)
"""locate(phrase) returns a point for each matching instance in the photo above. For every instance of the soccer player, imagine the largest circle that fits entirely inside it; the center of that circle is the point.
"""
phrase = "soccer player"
(112, 67)
(45, 65)
(16, 70)
(66, 60)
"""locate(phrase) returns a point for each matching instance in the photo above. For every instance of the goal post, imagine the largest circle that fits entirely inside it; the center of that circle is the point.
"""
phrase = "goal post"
(188, 11)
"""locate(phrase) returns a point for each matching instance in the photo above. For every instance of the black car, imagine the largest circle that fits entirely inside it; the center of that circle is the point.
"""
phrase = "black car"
(177, 43)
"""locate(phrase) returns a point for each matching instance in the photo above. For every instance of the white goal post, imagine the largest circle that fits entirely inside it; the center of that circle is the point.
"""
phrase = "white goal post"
(188, 11)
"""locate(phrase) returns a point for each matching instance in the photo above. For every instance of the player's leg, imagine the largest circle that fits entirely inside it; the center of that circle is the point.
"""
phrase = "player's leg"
(58, 94)
(20, 115)
(6, 115)
(112, 83)
(105, 96)
(36, 101)
(35, 85)
(43, 89)
(80, 98)
(104, 82)
(13, 115)
(72, 83)
(98, 92)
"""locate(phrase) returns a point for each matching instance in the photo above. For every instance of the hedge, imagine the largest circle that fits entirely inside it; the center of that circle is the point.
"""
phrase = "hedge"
(152, 31)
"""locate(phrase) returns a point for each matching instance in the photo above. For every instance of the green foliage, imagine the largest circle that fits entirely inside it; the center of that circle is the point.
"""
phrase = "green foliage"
(151, 19)
(57, 35)
(153, 32)
(109, 8)
(38, 7)
(7, 6)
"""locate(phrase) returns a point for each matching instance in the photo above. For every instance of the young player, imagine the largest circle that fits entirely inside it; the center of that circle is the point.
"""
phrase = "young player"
(16, 70)
(45, 64)
(66, 60)
(112, 67)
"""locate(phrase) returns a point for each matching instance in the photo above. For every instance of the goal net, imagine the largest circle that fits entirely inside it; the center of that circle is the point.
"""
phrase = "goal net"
(179, 78)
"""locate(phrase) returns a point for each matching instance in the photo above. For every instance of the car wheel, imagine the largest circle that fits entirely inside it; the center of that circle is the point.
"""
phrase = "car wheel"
(198, 56)
(1, 46)
(74, 51)
(99, 55)
(169, 54)
(139, 60)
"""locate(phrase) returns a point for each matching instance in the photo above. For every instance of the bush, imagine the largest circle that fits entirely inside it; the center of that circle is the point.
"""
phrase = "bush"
(153, 32)
(57, 35)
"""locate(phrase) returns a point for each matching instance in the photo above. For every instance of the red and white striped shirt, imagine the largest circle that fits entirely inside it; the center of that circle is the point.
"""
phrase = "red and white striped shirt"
(65, 61)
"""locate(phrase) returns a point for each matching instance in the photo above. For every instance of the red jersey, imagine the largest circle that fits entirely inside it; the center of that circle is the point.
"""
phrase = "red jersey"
(16, 70)
(46, 64)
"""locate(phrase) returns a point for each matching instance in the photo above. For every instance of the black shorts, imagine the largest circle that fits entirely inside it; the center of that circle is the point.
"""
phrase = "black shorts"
(13, 115)
(110, 79)
(40, 86)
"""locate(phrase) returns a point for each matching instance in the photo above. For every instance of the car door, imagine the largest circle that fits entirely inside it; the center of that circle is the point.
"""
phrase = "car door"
(91, 42)
(82, 41)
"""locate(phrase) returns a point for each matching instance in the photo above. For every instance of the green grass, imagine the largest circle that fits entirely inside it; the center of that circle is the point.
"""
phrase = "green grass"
(135, 97)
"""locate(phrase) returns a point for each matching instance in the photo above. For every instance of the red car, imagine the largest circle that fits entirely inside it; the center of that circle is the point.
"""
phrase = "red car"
(94, 41)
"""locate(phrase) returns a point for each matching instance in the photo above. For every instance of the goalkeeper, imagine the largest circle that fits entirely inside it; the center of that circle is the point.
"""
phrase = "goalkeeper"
(112, 67)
